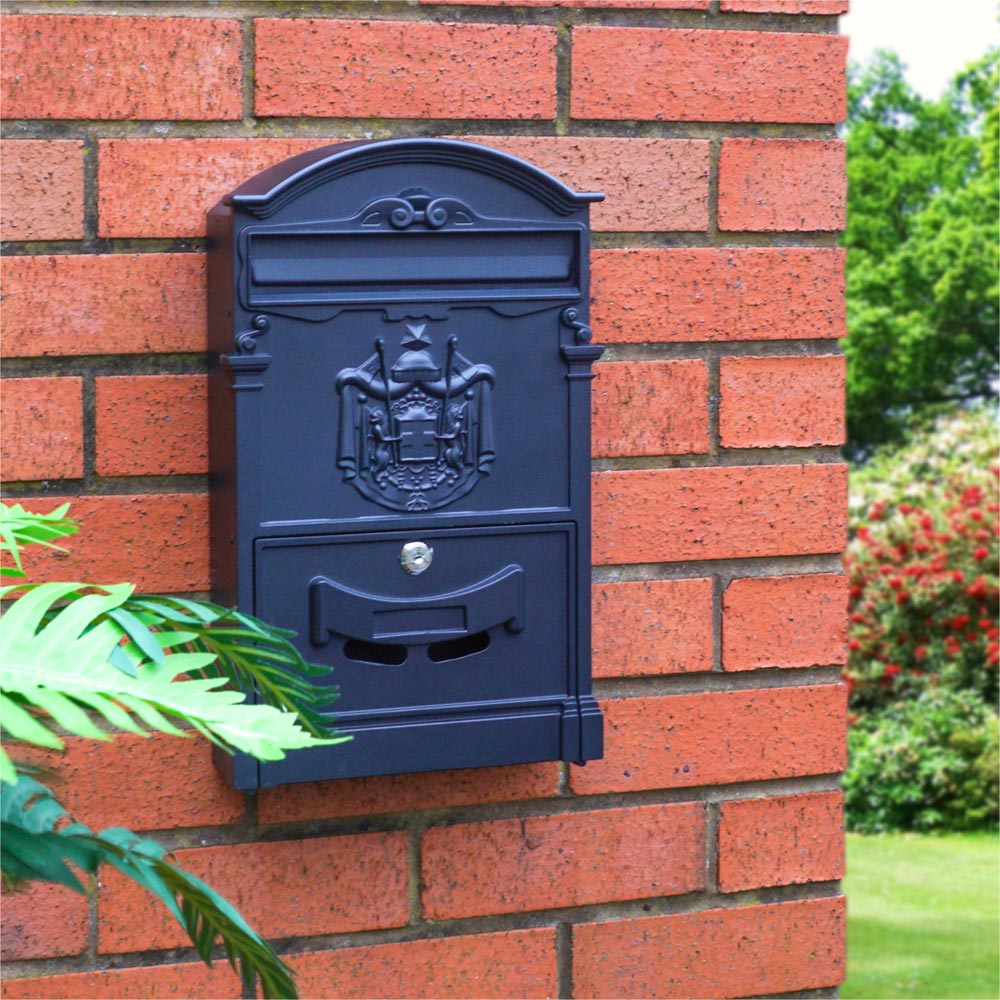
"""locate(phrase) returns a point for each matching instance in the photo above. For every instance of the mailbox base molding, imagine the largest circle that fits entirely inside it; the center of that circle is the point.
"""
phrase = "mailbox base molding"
(451, 739)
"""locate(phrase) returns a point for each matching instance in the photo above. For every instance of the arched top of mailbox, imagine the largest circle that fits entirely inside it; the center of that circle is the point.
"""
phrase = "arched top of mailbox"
(271, 189)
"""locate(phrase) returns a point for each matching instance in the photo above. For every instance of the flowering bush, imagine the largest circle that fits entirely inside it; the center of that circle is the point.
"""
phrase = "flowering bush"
(926, 764)
(924, 642)
(922, 565)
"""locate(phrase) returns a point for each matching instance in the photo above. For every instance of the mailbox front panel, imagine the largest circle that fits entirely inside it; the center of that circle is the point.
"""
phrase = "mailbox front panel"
(400, 418)
(430, 446)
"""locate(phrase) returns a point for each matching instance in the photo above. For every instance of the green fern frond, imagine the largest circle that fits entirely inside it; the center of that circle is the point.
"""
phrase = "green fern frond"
(255, 656)
(19, 527)
(93, 659)
(56, 661)
(248, 653)
(32, 847)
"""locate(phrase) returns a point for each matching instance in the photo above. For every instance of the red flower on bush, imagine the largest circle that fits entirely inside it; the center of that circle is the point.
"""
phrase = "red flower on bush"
(923, 587)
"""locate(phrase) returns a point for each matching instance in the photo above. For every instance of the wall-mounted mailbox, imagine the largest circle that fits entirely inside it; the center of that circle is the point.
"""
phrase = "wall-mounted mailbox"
(400, 404)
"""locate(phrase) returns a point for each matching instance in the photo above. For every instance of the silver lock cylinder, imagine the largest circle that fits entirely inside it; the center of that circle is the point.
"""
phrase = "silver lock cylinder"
(416, 557)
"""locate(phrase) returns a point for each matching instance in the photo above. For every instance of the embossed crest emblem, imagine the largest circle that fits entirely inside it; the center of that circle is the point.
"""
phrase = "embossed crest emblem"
(419, 434)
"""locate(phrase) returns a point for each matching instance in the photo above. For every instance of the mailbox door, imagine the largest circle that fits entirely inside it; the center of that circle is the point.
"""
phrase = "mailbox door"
(481, 632)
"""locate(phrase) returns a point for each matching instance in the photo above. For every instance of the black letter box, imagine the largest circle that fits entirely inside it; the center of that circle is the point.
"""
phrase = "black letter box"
(400, 432)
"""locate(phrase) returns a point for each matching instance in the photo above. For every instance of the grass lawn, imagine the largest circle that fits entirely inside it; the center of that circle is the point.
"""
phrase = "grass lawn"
(923, 916)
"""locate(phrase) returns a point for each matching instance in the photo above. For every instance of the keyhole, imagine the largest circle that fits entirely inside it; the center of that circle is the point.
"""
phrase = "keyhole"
(416, 557)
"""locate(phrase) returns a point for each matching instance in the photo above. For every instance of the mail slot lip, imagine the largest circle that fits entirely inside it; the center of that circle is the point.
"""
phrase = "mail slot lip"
(397, 531)
(450, 620)
(444, 266)
(483, 604)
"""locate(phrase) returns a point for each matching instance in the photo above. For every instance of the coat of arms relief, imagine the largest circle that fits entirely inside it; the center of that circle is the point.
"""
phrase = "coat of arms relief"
(418, 434)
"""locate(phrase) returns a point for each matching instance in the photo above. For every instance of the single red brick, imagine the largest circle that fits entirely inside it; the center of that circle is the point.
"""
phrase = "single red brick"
(403, 69)
(181, 179)
(651, 627)
(103, 304)
(42, 184)
(404, 792)
(132, 782)
(152, 425)
(43, 428)
(145, 982)
(122, 67)
(786, 6)
(290, 888)
(781, 841)
(120, 534)
(674, 515)
(785, 621)
(740, 952)
(651, 184)
(718, 737)
(790, 401)
(499, 965)
(650, 408)
(42, 920)
(708, 76)
(782, 185)
(655, 185)
(508, 866)
(751, 293)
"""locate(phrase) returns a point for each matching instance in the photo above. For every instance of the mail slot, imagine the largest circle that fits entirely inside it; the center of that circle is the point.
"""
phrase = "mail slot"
(399, 395)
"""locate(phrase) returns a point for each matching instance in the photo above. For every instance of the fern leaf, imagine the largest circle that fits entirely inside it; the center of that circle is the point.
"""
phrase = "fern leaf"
(49, 653)
(18, 528)
(256, 657)
(22, 725)
(67, 713)
(31, 847)
(8, 772)
(26, 856)
(138, 633)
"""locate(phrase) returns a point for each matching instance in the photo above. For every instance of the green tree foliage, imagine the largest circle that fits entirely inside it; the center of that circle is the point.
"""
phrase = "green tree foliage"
(92, 660)
(922, 246)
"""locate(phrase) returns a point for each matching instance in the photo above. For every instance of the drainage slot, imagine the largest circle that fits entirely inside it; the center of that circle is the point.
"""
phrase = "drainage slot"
(455, 649)
(374, 652)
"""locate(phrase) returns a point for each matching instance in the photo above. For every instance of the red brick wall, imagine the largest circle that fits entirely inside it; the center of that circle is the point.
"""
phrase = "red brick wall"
(701, 856)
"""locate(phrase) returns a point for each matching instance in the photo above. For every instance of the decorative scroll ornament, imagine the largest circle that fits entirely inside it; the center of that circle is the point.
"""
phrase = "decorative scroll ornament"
(417, 207)
(571, 318)
(419, 435)
(246, 341)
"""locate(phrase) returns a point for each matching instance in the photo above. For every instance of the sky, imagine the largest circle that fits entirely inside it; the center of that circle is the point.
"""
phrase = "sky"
(935, 38)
